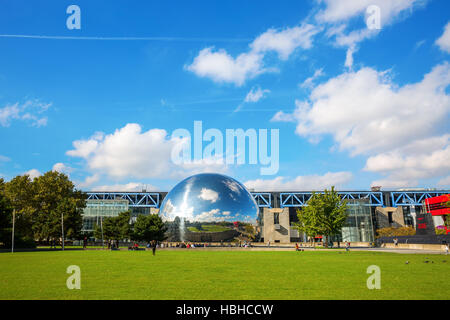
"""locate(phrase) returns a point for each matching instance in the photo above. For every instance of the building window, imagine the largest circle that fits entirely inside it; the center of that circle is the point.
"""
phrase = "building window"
(276, 218)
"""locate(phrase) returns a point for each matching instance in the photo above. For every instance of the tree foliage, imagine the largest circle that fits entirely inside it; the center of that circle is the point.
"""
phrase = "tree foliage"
(40, 204)
(325, 214)
(114, 228)
(149, 227)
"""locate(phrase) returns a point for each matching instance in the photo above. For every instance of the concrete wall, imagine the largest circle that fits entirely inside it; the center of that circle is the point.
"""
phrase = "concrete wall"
(276, 233)
(382, 216)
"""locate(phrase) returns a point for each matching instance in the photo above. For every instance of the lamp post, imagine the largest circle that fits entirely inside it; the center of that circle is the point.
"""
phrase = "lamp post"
(13, 226)
(101, 225)
(62, 229)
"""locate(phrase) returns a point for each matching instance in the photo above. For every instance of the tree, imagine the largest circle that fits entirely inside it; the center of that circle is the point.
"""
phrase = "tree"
(19, 193)
(5, 219)
(114, 228)
(325, 214)
(55, 196)
(149, 227)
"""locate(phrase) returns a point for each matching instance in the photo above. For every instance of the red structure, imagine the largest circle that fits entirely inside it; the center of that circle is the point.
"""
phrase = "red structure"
(438, 206)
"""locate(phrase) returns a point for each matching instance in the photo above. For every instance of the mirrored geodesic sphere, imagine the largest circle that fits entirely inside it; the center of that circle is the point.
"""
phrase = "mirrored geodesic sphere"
(209, 207)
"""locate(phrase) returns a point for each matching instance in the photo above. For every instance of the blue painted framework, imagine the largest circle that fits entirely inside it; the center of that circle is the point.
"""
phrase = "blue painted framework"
(410, 198)
(263, 199)
(299, 199)
(135, 199)
(287, 199)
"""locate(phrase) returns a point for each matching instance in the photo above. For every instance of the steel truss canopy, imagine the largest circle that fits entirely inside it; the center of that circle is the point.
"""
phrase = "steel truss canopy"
(409, 198)
(135, 199)
(263, 199)
(299, 199)
(286, 199)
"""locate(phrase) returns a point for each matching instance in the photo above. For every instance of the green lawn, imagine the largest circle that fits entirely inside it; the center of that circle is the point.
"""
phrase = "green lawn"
(209, 228)
(191, 274)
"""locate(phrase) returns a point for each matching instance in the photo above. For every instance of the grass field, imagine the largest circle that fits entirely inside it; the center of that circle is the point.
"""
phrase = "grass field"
(191, 274)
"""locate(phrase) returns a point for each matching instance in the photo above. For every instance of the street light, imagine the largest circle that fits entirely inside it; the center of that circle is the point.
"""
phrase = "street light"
(13, 225)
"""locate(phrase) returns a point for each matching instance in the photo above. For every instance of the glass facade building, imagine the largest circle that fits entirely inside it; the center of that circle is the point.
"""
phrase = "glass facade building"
(358, 227)
(97, 209)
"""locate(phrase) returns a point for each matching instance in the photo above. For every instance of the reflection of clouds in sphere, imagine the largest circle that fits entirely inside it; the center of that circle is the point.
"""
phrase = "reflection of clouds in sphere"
(209, 197)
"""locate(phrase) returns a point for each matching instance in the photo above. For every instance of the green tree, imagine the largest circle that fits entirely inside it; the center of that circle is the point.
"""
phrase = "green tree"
(5, 219)
(55, 196)
(114, 228)
(19, 193)
(325, 214)
(149, 227)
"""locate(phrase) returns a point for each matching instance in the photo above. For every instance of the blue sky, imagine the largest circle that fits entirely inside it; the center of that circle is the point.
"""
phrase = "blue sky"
(354, 107)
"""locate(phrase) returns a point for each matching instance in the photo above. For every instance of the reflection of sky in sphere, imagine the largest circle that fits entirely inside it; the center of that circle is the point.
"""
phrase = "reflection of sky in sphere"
(209, 197)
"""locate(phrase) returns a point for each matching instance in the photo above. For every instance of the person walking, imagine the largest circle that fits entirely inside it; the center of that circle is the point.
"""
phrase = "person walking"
(347, 246)
(153, 247)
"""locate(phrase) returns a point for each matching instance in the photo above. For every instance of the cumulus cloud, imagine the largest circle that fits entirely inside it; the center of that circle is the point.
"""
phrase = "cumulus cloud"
(130, 152)
(444, 182)
(285, 41)
(4, 158)
(209, 195)
(256, 94)
(301, 183)
(339, 11)
(220, 66)
(128, 187)
(33, 173)
(338, 15)
(368, 114)
(280, 116)
(61, 167)
(30, 111)
(444, 40)
(309, 82)
(405, 166)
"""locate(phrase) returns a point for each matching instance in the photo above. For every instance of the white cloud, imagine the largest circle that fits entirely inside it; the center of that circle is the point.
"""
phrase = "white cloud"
(301, 183)
(61, 167)
(131, 153)
(357, 107)
(209, 195)
(337, 15)
(33, 173)
(280, 116)
(444, 41)
(284, 42)
(338, 11)
(30, 111)
(349, 57)
(128, 187)
(220, 66)
(209, 216)
(444, 182)
(402, 128)
(4, 158)
(422, 159)
(309, 82)
(256, 94)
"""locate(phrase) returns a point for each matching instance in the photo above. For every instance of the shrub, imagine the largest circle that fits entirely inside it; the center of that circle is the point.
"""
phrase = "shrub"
(395, 232)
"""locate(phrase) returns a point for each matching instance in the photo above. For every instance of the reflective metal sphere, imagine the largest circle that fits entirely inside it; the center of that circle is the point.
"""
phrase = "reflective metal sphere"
(209, 207)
